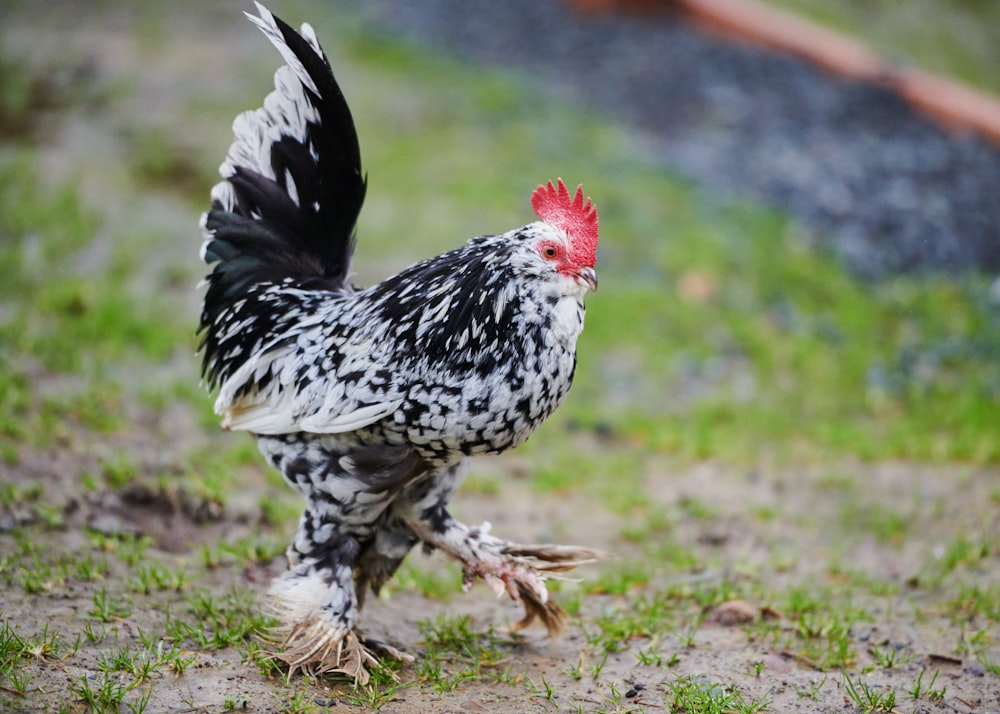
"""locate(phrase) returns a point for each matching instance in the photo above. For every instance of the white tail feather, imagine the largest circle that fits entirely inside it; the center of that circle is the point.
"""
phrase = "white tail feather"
(287, 111)
(270, 28)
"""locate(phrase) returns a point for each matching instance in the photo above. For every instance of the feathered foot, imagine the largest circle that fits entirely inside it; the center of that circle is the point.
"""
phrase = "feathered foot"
(512, 568)
(521, 572)
(317, 605)
(315, 648)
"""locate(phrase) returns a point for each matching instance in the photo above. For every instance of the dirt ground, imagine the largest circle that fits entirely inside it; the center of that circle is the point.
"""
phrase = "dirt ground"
(878, 539)
(717, 645)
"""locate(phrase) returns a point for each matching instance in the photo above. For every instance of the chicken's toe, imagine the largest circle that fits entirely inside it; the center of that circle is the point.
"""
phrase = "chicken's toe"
(315, 648)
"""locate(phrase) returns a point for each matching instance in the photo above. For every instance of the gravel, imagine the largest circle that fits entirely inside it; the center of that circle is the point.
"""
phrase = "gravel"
(879, 185)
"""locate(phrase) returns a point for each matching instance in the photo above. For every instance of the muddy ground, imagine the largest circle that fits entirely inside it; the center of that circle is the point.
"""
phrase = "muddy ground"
(715, 645)
(762, 533)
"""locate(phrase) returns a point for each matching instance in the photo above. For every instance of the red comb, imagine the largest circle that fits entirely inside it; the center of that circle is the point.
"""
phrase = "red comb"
(579, 220)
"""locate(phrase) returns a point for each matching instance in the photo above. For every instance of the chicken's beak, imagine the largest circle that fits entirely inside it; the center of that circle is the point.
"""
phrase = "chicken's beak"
(588, 276)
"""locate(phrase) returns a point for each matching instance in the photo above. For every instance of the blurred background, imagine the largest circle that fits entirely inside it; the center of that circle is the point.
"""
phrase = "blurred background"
(798, 271)
(793, 260)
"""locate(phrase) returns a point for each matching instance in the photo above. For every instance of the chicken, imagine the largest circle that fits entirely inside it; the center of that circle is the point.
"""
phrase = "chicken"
(369, 401)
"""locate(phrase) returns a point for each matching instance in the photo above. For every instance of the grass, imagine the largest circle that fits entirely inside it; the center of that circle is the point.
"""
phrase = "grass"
(867, 698)
(107, 694)
(718, 337)
(691, 695)
(457, 652)
(126, 662)
(922, 689)
(864, 397)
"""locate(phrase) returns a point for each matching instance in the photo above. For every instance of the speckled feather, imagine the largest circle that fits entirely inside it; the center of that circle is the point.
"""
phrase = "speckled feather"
(464, 352)
(368, 400)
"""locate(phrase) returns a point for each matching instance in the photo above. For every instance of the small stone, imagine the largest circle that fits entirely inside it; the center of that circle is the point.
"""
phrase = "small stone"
(974, 669)
(732, 612)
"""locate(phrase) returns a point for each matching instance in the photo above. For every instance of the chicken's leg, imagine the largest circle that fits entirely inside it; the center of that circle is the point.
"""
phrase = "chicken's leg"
(315, 602)
(519, 570)
(317, 606)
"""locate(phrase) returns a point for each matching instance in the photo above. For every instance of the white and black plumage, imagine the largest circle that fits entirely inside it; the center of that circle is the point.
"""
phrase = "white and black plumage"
(368, 401)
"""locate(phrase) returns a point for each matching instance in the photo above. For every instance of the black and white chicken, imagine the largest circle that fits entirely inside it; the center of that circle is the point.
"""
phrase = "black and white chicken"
(370, 401)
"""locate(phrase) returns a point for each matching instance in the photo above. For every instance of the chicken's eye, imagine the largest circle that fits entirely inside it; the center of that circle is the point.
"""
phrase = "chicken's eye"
(550, 251)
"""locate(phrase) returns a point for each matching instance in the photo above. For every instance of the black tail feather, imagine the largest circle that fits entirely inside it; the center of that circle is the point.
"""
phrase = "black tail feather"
(293, 190)
(331, 189)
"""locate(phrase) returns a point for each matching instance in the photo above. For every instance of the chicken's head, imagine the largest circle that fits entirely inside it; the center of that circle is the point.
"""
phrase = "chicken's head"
(571, 246)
